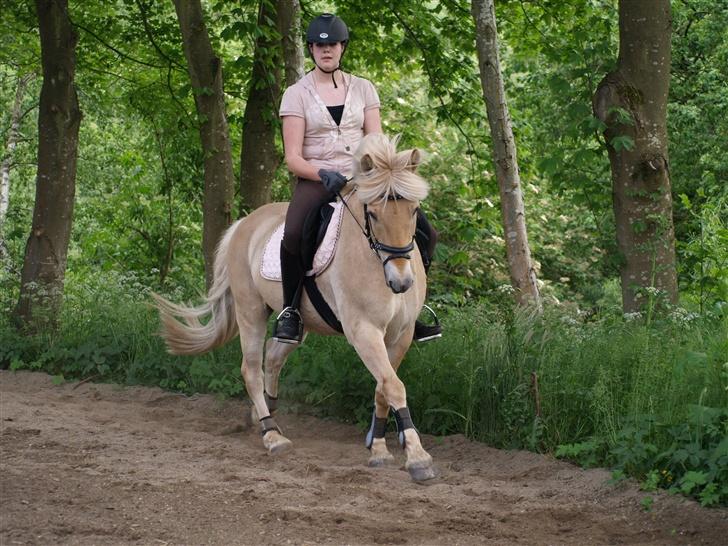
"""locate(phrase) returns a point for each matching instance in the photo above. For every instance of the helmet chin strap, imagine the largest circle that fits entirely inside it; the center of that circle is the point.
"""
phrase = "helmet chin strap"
(332, 72)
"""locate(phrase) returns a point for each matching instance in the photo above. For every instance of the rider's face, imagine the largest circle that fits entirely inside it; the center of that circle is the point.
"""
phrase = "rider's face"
(327, 56)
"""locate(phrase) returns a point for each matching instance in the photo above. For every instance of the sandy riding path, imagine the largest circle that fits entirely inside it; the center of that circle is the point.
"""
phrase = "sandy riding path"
(102, 464)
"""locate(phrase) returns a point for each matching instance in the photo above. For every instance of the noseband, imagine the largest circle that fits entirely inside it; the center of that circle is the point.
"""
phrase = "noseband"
(393, 251)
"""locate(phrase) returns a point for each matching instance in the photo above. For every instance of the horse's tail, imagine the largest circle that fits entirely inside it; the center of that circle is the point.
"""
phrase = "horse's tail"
(188, 335)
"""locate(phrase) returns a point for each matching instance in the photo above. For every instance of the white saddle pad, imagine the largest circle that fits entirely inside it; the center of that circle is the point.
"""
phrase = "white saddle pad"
(270, 264)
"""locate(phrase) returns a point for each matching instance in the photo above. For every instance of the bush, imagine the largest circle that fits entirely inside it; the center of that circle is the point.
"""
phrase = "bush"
(600, 389)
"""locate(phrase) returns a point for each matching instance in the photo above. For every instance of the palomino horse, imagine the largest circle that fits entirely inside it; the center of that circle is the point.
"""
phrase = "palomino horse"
(377, 311)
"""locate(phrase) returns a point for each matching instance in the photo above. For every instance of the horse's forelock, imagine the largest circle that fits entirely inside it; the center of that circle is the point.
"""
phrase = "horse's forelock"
(391, 173)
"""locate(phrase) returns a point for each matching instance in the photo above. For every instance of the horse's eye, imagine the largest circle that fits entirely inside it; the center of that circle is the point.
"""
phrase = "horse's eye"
(373, 216)
(414, 212)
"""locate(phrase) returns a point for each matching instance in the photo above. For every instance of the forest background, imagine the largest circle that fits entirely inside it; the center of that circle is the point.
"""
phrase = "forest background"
(645, 393)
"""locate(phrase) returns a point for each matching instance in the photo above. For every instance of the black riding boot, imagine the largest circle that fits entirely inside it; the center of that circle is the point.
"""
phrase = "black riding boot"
(289, 326)
(425, 237)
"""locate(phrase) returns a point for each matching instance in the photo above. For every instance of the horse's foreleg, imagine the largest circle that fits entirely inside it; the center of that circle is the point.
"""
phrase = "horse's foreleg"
(390, 390)
(376, 443)
(379, 454)
(252, 335)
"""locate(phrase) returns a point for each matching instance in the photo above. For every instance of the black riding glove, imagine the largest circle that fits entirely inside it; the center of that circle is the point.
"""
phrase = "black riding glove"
(333, 181)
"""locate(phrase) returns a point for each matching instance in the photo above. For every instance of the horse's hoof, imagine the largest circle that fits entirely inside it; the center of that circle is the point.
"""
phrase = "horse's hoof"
(277, 444)
(280, 447)
(380, 460)
(422, 473)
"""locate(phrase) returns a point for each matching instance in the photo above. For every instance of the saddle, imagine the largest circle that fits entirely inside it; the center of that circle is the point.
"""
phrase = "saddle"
(320, 235)
(318, 244)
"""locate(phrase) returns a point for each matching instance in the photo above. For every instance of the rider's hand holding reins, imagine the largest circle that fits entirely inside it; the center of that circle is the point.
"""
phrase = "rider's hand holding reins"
(333, 181)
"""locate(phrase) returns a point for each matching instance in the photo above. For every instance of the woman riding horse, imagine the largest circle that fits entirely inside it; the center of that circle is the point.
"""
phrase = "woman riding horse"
(324, 116)
(377, 312)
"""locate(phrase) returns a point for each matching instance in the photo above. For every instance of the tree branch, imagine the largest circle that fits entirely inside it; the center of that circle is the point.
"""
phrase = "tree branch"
(150, 35)
(115, 50)
(408, 29)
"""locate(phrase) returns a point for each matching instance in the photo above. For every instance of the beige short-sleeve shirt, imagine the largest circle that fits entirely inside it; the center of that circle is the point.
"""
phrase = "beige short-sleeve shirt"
(326, 145)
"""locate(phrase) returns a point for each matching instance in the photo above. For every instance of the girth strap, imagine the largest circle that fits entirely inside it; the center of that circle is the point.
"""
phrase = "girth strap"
(319, 303)
(404, 421)
(378, 429)
(267, 424)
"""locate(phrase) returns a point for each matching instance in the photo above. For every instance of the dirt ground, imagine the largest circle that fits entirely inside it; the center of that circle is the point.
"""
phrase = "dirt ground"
(104, 464)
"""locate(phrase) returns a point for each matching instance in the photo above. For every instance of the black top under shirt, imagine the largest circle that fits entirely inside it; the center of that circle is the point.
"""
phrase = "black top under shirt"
(336, 112)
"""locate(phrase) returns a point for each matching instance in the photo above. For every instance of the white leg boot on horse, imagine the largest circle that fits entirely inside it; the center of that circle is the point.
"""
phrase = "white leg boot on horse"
(379, 454)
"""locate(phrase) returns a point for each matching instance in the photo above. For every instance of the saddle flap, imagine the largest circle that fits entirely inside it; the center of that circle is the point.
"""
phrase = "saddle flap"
(321, 254)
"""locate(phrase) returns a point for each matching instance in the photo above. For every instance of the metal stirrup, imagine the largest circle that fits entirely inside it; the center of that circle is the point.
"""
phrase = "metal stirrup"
(432, 312)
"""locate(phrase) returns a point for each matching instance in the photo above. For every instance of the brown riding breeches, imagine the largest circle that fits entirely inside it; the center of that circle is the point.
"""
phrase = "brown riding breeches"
(310, 194)
(307, 195)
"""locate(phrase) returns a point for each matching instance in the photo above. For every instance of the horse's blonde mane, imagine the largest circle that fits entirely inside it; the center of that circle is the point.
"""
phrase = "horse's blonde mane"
(381, 171)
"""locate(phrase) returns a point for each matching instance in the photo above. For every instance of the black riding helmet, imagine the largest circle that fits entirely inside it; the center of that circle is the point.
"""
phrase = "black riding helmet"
(327, 28)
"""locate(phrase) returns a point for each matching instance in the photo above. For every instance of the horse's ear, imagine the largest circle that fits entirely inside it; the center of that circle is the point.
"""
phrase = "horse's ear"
(366, 163)
(415, 159)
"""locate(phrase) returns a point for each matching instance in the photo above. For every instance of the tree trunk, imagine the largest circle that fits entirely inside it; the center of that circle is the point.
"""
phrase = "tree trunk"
(205, 70)
(289, 26)
(15, 118)
(523, 274)
(259, 158)
(59, 118)
(632, 102)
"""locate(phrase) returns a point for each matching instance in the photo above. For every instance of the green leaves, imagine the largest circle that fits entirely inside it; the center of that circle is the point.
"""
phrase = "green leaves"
(620, 116)
(622, 142)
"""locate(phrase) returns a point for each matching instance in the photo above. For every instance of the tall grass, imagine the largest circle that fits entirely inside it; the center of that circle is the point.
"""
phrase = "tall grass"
(601, 390)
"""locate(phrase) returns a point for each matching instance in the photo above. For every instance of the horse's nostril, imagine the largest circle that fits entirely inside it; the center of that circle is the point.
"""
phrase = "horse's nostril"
(399, 287)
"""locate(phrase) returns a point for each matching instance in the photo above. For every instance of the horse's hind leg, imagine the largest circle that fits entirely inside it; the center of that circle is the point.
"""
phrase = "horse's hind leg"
(276, 354)
(252, 335)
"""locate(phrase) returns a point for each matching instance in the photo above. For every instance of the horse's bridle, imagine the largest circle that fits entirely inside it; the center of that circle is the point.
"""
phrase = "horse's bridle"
(393, 251)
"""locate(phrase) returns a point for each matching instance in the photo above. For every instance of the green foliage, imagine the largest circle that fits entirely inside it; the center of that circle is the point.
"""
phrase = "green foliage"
(588, 454)
(108, 333)
(623, 142)
(690, 458)
(643, 394)
(698, 125)
(610, 390)
(704, 256)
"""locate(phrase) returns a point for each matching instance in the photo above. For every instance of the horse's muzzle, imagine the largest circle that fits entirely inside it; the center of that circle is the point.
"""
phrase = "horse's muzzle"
(399, 286)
